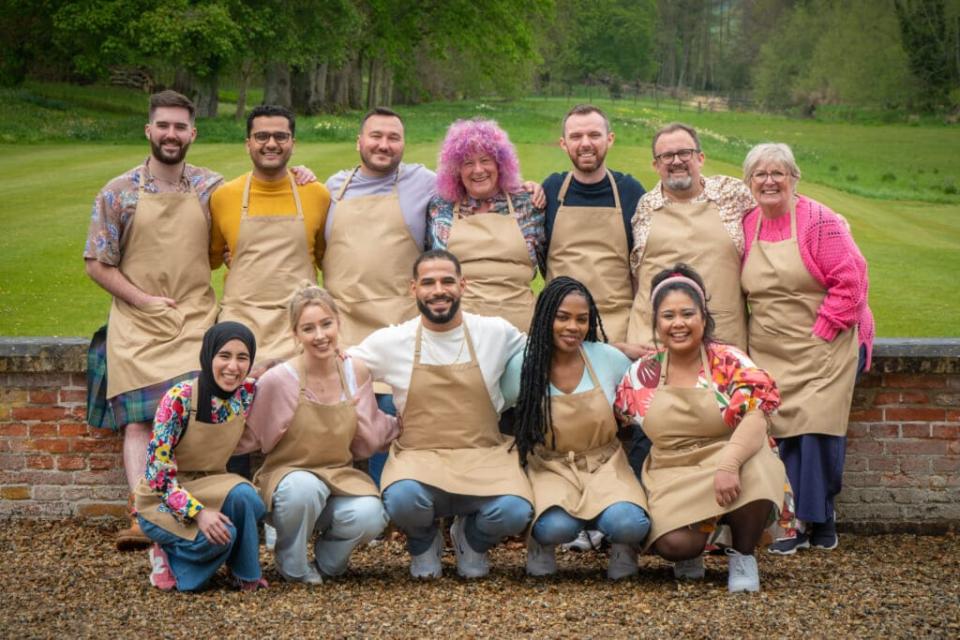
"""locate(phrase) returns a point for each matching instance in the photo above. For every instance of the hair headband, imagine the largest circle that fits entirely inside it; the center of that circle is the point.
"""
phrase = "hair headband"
(678, 278)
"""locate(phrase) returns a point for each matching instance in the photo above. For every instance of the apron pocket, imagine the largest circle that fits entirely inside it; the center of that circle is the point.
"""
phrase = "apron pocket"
(156, 319)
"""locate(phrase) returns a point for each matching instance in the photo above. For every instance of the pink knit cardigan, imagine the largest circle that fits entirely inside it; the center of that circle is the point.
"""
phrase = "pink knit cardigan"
(833, 259)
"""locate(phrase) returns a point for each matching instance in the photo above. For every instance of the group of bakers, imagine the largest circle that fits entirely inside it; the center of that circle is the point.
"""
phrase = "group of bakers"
(679, 334)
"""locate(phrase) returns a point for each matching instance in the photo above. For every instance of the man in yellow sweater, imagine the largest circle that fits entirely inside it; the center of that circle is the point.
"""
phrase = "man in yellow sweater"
(273, 231)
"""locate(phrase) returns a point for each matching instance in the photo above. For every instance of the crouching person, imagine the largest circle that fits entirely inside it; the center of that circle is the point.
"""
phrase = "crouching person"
(315, 414)
(199, 516)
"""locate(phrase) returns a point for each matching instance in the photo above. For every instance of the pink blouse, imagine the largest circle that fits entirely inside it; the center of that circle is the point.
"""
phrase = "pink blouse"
(276, 401)
(833, 259)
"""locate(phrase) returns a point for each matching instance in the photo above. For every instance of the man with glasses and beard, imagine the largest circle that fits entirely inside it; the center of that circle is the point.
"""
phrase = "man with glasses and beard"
(147, 245)
(450, 459)
(695, 220)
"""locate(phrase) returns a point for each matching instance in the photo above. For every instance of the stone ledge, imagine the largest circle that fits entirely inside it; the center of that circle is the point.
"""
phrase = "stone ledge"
(43, 355)
(69, 354)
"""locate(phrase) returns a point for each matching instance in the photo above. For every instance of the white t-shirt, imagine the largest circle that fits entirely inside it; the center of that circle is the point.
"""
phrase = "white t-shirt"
(388, 352)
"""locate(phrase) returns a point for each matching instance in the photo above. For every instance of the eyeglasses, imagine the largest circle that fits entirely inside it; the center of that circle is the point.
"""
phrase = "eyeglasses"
(776, 176)
(684, 154)
(279, 136)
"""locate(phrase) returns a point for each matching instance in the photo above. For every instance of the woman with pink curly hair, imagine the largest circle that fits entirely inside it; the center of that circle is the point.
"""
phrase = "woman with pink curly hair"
(478, 173)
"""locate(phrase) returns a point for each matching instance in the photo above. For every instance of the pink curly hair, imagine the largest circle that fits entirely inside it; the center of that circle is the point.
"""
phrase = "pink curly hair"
(467, 137)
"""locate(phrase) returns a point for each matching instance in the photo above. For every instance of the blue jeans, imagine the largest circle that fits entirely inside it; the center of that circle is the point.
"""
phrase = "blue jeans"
(415, 507)
(194, 562)
(621, 523)
(377, 460)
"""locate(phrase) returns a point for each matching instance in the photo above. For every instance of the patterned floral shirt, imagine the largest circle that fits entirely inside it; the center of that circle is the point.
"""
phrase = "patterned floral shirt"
(171, 419)
(530, 219)
(731, 196)
(114, 206)
(739, 385)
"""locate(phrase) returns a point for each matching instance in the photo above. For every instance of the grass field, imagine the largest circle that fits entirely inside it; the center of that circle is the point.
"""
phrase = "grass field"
(910, 236)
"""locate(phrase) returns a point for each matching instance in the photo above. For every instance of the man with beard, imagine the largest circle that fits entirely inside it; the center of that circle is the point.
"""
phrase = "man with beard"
(588, 232)
(147, 246)
(695, 220)
(273, 230)
(450, 459)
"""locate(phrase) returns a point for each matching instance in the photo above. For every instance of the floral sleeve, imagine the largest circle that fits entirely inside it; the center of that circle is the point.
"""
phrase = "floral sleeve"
(637, 389)
(168, 425)
(741, 385)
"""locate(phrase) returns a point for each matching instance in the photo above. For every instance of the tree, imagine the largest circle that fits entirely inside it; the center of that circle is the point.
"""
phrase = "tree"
(923, 27)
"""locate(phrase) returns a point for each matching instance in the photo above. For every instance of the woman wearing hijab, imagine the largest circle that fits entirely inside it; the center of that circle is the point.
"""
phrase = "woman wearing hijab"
(199, 515)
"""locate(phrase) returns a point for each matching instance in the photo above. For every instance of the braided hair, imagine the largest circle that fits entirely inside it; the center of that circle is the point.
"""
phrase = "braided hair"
(534, 418)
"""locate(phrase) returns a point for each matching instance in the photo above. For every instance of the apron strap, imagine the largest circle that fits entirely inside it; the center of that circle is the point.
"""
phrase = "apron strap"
(704, 361)
(245, 201)
(563, 188)
(302, 374)
(346, 183)
(613, 185)
(146, 176)
(616, 192)
(419, 341)
(593, 374)
(510, 205)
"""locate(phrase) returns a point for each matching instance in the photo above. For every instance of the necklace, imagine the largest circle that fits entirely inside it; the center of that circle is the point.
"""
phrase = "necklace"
(433, 354)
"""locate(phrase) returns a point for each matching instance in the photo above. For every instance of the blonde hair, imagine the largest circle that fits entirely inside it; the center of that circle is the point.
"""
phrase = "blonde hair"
(310, 294)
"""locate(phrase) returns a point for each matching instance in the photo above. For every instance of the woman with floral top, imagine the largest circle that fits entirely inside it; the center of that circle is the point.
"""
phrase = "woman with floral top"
(482, 215)
(199, 515)
(705, 407)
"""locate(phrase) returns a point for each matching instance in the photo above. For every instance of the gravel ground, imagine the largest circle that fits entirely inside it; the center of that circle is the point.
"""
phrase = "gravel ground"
(66, 580)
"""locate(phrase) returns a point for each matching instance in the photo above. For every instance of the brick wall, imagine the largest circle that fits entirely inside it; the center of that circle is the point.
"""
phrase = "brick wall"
(902, 471)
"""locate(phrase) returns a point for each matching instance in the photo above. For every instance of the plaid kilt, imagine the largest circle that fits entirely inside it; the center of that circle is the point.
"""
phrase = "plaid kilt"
(137, 405)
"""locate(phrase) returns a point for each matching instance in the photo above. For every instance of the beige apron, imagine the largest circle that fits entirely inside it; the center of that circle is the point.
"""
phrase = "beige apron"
(692, 233)
(496, 265)
(587, 470)
(367, 264)
(815, 377)
(202, 455)
(317, 440)
(270, 262)
(589, 244)
(451, 439)
(165, 253)
(689, 434)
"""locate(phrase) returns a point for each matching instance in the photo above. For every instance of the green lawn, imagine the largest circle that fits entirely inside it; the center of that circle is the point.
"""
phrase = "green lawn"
(913, 247)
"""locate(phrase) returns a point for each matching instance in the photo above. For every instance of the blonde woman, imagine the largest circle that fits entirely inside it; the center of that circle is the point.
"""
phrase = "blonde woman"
(315, 414)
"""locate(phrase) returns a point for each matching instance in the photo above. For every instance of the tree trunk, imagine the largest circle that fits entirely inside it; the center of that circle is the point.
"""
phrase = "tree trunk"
(201, 91)
(276, 88)
(355, 78)
(246, 70)
(340, 87)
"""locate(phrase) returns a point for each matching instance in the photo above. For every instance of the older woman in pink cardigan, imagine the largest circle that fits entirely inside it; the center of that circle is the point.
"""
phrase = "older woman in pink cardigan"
(805, 282)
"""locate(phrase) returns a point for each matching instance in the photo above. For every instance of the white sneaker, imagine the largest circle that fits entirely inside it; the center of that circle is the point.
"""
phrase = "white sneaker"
(691, 569)
(743, 574)
(312, 576)
(541, 558)
(622, 562)
(427, 564)
(269, 536)
(586, 541)
(470, 563)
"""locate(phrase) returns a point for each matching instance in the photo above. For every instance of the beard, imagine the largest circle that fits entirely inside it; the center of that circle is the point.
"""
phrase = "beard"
(156, 149)
(588, 168)
(679, 183)
(367, 158)
(439, 318)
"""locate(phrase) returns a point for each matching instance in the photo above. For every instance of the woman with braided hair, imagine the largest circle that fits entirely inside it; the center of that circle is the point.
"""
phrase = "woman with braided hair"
(566, 432)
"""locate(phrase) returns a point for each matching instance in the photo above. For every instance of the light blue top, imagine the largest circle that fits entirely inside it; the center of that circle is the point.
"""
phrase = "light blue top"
(608, 362)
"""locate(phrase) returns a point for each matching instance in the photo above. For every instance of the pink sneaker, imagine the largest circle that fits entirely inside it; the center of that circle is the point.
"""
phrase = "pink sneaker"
(250, 585)
(160, 574)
